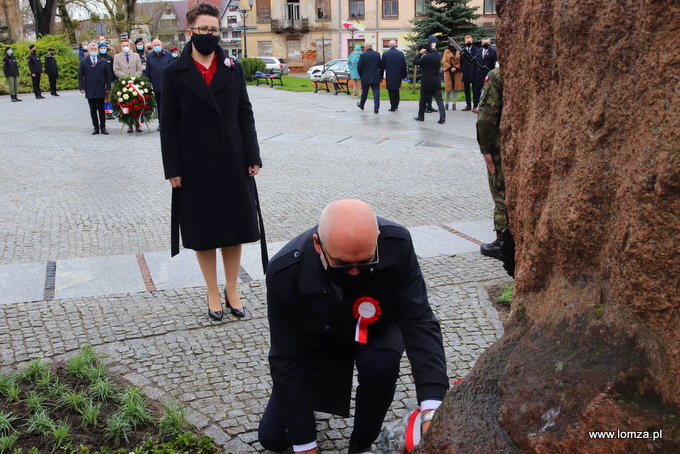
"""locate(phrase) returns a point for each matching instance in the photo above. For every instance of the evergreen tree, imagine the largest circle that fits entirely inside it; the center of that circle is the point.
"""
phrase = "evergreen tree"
(446, 18)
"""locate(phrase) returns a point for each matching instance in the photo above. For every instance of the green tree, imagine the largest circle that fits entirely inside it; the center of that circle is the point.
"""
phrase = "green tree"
(443, 19)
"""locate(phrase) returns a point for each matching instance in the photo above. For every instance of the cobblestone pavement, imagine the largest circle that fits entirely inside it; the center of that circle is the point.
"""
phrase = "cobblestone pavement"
(69, 195)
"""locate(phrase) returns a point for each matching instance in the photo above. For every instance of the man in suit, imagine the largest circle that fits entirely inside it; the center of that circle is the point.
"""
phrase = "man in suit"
(467, 68)
(127, 63)
(371, 71)
(395, 71)
(487, 59)
(94, 80)
(156, 62)
(430, 61)
(348, 291)
(35, 68)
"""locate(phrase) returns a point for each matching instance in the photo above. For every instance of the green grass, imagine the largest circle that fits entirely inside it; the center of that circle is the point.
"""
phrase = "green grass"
(7, 421)
(174, 423)
(300, 85)
(506, 295)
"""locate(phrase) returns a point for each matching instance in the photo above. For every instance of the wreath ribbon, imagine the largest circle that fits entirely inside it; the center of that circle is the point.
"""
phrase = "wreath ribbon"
(366, 310)
(131, 85)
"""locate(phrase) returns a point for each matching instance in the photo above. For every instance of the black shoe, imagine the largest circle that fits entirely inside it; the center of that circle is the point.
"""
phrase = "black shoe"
(240, 313)
(360, 106)
(17, 98)
(441, 121)
(14, 99)
(428, 110)
(375, 111)
(392, 110)
(105, 132)
(418, 119)
(129, 129)
(95, 132)
(215, 315)
(492, 250)
(40, 97)
(54, 94)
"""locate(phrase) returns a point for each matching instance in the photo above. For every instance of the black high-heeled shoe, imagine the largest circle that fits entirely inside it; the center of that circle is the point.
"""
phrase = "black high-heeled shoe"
(240, 313)
(215, 315)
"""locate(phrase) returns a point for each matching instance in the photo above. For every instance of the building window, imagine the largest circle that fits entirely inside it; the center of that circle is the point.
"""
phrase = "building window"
(323, 9)
(264, 11)
(420, 6)
(264, 48)
(386, 43)
(489, 6)
(390, 8)
(356, 8)
(232, 21)
(233, 8)
(293, 9)
(235, 34)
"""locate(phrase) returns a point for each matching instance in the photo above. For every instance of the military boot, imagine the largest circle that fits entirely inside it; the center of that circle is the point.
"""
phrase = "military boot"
(493, 249)
(14, 98)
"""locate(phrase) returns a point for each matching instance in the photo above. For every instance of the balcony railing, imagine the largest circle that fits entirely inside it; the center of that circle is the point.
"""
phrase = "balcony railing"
(290, 25)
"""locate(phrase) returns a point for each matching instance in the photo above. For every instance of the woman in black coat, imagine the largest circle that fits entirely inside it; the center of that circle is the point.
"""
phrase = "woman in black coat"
(11, 70)
(210, 155)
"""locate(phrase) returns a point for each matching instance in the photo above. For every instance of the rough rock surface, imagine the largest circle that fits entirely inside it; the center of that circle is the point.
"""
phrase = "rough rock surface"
(591, 151)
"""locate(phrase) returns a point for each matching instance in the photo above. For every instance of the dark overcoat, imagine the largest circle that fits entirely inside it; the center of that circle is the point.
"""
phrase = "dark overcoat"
(430, 65)
(489, 61)
(312, 329)
(208, 138)
(95, 80)
(466, 66)
(155, 64)
(370, 67)
(34, 64)
(51, 68)
(395, 68)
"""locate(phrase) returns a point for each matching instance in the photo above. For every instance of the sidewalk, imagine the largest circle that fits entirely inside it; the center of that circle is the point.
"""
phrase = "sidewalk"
(84, 245)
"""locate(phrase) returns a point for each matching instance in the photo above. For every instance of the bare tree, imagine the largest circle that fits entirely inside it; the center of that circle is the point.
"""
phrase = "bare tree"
(121, 14)
(44, 12)
(13, 18)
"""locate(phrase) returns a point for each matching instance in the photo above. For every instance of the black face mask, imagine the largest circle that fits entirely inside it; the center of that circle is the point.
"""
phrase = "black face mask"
(468, 44)
(347, 281)
(205, 44)
(486, 46)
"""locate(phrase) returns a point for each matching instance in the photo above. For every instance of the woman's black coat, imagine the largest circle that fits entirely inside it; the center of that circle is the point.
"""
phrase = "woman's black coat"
(10, 67)
(208, 138)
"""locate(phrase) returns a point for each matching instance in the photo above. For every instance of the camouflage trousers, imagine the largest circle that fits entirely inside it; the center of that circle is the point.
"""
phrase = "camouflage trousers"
(497, 187)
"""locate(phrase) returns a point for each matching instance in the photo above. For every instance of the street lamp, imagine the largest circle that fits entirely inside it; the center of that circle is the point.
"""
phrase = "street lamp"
(244, 13)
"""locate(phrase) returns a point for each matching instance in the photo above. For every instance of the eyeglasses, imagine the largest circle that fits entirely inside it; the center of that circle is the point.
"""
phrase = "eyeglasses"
(345, 268)
(206, 30)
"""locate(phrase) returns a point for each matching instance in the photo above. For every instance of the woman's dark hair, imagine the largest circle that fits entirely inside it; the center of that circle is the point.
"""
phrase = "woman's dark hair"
(199, 9)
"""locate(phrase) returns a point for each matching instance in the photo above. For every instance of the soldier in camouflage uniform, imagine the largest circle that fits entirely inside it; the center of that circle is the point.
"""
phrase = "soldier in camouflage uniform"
(489, 139)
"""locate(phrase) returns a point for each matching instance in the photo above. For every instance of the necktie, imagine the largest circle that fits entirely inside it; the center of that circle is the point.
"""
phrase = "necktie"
(94, 61)
(127, 58)
(484, 54)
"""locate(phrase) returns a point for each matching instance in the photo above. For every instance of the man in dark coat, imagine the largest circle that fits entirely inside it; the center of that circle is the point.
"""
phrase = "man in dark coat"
(371, 71)
(395, 71)
(467, 67)
(210, 155)
(156, 62)
(94, 80)
(487, 58)
(347, 291)
(430, 62)
(11, 70)
(35, 68)
(52, 71)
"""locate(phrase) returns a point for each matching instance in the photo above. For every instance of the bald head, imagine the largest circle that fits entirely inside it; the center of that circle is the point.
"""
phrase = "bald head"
(348, 230)
(368, 45)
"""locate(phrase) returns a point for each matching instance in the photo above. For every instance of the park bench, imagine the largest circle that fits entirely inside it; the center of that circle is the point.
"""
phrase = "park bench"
(321, 85)
(268, 77)
(341, 85)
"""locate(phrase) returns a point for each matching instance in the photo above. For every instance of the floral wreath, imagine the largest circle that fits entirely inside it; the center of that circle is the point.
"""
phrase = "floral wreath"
(133, 100)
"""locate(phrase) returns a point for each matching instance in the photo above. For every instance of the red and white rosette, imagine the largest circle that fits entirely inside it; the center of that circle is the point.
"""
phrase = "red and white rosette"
(413, 430)
(366, 310)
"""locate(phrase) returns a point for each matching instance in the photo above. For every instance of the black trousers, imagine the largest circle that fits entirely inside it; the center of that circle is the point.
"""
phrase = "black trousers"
(426, 97)
(97, 108)
(36, 85)
(159, 98)
(476, 93)
(53, 84)
(378, 371)
(394, 97)
(376, 95)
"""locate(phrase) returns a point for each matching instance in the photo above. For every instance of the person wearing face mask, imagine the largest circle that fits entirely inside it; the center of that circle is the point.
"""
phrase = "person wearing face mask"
(348, 291)
(211, 156)
(36, 69)
(467, 68)
(104, 54)
(175, 52)
(52, 71)
(487, 58)
(156, 62)
(139, 49)
(127, 63)
(94, 80)
(11, 70)
(82, 52)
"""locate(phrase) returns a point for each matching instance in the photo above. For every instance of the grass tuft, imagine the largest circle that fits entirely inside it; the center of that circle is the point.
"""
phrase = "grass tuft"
(7, 443)
(7, 420)
(174, 423)
(40, 423)
(35, 401)
(506, 295)
(118, 429)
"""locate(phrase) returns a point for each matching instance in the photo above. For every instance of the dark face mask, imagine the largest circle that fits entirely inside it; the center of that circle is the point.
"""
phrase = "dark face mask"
(205, 44)
(486, 45)
(468, 44)
(347, 281)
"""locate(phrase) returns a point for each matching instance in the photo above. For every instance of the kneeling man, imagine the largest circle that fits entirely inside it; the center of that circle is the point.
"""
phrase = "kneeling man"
(348, 291)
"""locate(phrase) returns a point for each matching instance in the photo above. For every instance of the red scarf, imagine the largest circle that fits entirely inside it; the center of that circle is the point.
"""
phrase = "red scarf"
(207, 73)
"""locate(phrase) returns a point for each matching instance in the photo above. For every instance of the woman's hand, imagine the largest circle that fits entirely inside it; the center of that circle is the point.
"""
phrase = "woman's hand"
(176, 182)
(253, 170)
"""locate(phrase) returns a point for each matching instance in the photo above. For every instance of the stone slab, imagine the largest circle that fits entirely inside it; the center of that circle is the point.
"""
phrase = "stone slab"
(22, 282)
(251, 258)
(96, 276)
(180, 271)
(481, 230)
(433, 241)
